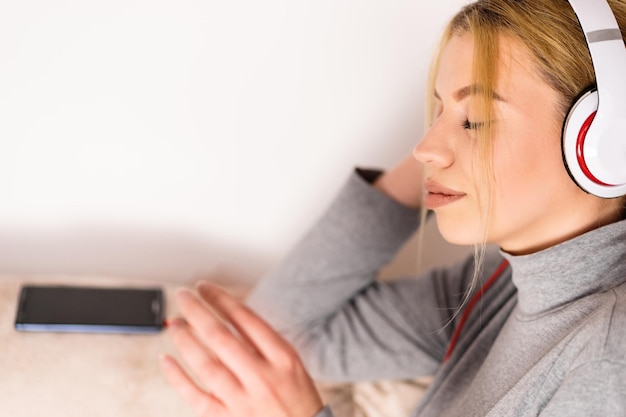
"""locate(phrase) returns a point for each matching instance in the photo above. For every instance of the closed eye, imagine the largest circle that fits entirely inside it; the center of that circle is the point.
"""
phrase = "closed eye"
(472, 125)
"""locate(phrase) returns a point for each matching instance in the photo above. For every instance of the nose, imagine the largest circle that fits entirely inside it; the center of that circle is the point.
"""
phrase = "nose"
(435, 147)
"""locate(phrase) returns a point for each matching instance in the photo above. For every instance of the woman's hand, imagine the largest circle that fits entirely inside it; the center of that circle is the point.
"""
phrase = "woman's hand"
(242, 367)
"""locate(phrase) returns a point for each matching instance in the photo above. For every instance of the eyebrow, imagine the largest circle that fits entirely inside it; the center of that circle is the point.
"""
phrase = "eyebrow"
(469, 90)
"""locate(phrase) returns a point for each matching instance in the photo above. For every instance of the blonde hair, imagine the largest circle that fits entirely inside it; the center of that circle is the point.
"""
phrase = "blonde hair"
(550, 31)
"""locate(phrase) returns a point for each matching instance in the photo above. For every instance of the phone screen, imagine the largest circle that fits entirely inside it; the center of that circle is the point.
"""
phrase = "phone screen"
(90, 309)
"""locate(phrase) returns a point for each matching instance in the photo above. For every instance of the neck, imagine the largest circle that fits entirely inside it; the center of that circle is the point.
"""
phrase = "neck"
(554, 231)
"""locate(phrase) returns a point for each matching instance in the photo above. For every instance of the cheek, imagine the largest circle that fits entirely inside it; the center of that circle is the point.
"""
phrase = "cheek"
(527, 168)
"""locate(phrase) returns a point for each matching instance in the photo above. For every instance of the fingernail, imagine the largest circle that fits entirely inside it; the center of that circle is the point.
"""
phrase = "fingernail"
(166, 360)
(175, 322)
(184, 294)
(169, 322)
(204, 286)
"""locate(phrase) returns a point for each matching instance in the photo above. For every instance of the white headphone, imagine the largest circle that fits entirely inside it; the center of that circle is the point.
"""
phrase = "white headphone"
(594, 132)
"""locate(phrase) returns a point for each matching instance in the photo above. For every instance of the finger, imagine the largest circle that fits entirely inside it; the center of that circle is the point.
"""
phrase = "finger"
(209, 370)
(204, 290)
(218, 338)
(202, 402)
(247, 323)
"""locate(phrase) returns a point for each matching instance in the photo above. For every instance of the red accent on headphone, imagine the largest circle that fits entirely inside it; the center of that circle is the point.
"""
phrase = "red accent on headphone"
(580, 143)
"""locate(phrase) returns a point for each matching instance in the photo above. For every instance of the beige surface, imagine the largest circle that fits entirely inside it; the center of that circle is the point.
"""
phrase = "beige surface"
(55, 374)
(72, 375)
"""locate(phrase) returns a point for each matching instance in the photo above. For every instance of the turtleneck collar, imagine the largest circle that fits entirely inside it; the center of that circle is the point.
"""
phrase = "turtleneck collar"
(589, 263)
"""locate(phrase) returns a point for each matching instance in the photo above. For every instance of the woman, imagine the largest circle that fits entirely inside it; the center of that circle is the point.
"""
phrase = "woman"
(534, 329)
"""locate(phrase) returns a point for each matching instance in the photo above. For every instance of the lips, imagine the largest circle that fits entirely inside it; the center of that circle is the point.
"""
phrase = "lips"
(438, 195)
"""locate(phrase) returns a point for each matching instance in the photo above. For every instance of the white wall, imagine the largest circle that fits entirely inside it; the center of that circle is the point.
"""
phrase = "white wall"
(160, 138)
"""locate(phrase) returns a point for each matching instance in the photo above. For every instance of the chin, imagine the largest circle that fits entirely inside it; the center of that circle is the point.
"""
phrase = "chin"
(460, 231)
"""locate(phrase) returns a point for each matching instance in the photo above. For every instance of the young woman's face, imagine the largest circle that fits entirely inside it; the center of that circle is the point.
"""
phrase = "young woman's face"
(534, 203)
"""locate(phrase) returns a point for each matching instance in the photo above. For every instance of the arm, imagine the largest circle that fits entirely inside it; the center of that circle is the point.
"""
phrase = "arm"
(325, 298)
(359, 233)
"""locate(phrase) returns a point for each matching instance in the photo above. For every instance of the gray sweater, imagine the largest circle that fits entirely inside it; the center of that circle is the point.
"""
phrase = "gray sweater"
(547, 338)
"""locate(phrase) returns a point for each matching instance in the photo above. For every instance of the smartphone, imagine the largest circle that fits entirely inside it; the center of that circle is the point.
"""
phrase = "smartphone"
(89, 309)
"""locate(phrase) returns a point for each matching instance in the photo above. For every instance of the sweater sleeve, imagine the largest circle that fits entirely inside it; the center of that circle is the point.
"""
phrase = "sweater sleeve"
(348, 326)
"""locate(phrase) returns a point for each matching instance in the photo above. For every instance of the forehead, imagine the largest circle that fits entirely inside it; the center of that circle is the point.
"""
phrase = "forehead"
(515, 68)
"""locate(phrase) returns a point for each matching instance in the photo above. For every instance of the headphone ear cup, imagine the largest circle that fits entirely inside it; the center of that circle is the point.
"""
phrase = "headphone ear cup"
(575, 127)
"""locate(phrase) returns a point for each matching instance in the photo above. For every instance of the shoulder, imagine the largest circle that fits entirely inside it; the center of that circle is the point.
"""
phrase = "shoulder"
(594, 383)
(605, 330)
